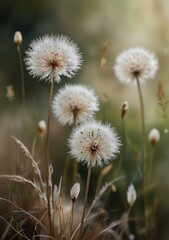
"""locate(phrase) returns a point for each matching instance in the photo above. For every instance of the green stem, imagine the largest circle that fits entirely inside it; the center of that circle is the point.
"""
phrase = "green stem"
(85, 200)
(47, 156)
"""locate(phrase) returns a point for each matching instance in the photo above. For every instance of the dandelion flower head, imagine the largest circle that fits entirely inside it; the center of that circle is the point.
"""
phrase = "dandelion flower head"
(74, 104)
(94, 143)
(51, 56)
(135, 64)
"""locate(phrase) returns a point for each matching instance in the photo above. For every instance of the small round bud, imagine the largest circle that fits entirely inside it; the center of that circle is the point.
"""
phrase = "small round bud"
(74, 192)
(154, 136)
(18, 38)
(42, 127)
(124, 109)
(131, 194)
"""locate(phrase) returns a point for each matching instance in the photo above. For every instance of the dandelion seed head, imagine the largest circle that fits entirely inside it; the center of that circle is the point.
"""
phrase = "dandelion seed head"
(74, 104)
(131, 194)
(154, 136)
(94, 143)
(135, 63)
(52, 56)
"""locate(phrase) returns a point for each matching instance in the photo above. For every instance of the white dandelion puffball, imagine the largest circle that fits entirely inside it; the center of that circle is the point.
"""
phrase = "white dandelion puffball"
(94, 143)
(135, 64)
(49, 57)
(154, 136)
(131, 194)
(74, 104)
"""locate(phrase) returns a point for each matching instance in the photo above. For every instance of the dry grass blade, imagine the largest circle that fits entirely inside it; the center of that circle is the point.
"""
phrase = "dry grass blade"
(3, 236)
(18, 178)
(114, 224)
(36, 170)
(27, 213)
(102, 192)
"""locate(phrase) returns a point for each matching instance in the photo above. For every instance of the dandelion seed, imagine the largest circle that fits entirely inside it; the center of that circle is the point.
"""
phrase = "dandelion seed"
(74, 104)
(18, 38)
(131, 194)
(51, 56)
(94, 143)
(135, 63)
(154, 136)
(10, 94)
(74, 192)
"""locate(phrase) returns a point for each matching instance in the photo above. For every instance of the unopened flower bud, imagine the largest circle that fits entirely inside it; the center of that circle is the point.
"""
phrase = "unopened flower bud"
(124, 109)
(18, 38)
(131, 194)
(74, 192)
(42, 127)
(154, 136)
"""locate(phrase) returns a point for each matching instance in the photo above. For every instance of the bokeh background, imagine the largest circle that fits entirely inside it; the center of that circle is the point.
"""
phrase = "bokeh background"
(122, 24)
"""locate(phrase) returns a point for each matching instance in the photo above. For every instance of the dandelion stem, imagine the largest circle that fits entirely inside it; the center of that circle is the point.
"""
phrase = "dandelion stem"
(151, 163)
(23, 91)
(144, 152)
(71, 217)
(85, 200)
(47, 156)
(142, 123)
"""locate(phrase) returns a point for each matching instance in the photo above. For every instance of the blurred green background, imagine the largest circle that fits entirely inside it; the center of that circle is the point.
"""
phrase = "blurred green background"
(124, 23)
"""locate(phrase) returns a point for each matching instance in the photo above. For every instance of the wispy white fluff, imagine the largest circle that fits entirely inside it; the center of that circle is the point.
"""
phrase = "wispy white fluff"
(52, 56)
(135, 63)
(74, 104)
(94, 143)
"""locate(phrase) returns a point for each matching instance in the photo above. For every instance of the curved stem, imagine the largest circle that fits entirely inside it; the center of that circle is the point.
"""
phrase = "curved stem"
(85, 200)
(47, 155)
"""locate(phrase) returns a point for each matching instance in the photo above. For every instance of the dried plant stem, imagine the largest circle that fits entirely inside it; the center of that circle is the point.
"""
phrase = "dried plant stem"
(47, 156)
(75, 164)
(23, 93)
(85, 200)
(144, 152)
(125, 222)
(151, 163)
(71, 217)
(142, 124)
(123, 155)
